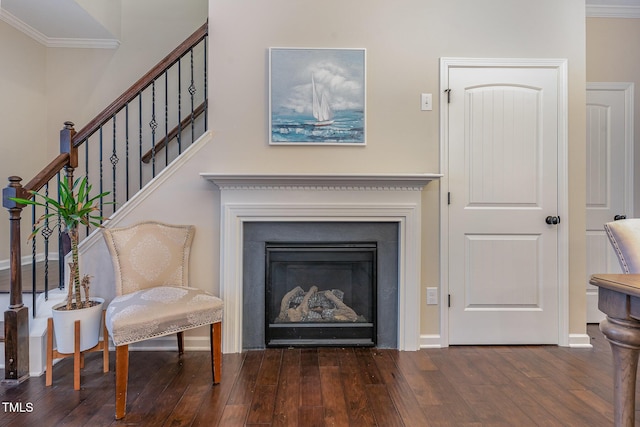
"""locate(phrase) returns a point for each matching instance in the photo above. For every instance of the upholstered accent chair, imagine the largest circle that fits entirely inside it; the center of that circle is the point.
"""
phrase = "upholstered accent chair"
(624, 236)
(153, 297)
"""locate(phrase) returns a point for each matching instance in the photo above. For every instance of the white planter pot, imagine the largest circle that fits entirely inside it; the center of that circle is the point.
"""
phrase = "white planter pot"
(90, 323)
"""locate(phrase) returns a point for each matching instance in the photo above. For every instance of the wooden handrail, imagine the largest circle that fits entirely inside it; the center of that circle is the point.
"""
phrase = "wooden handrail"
(47, 173)
(140, 85)
(174, 132)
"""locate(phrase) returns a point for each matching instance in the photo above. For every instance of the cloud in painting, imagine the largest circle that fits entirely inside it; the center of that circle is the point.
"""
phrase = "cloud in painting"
(336, 74)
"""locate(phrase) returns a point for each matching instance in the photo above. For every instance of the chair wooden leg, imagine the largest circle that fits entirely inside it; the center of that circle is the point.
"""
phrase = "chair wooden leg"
(122, 376)
(105, 345)
(49, 373)
(180, 336)
(216, 351)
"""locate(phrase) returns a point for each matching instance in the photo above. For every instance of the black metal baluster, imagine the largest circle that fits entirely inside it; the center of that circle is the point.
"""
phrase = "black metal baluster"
(46, 233)
(33, 261)
(126, 150)
(153, 125)
(61, 248)
(114, 161)
(101, 177)
(205, 95)
(86, 158)
(179, 135)
(192, 91)
(140, 136)
(166, 118)
(86, 165)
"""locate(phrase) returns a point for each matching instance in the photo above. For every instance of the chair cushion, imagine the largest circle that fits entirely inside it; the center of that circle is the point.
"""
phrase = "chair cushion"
(160, 311)
(624, 236)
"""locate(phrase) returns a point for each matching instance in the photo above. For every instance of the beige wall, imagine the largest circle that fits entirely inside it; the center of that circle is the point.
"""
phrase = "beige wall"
(612, 56)
(23, 113)
(41, 88)
(404, 41)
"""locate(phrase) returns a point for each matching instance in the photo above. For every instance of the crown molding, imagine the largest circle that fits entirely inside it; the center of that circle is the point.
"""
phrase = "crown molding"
(612, 11)
(83, 43)
(53, 41)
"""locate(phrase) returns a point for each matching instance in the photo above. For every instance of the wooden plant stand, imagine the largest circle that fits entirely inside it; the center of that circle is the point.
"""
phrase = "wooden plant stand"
(78, 356)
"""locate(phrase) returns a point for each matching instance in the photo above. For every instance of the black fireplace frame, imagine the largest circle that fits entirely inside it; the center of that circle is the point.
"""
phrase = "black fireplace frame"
(321, 334)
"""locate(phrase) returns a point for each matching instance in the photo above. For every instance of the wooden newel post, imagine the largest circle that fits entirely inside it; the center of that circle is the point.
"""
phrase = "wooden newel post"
(16, 317)
(66, 144)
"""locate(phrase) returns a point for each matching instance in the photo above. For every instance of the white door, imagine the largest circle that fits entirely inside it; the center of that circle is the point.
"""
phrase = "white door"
(503, 136)
(609, 176)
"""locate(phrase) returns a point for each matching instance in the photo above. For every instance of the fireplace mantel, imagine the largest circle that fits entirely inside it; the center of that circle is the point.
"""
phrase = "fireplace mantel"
(318, 181)
(318, 198)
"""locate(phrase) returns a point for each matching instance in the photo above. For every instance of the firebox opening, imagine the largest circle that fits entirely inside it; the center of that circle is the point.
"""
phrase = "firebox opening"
(320, 294)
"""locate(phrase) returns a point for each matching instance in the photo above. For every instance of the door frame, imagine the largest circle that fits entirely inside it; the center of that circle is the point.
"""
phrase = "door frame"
(627, 89)
(563, 182)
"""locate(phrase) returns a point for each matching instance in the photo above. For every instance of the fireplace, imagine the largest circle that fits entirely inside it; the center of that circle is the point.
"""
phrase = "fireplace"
(248, 199)
(320, 254)
(320, 294)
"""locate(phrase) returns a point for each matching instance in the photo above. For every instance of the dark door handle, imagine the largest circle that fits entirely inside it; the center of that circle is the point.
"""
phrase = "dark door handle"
(619, 217)
(552, 220)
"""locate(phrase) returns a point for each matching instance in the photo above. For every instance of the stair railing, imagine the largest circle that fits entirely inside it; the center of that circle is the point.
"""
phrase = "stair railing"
(168, 103)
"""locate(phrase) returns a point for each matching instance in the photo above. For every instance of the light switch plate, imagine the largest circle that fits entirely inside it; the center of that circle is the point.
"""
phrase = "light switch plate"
(426, 103)
(432, 296)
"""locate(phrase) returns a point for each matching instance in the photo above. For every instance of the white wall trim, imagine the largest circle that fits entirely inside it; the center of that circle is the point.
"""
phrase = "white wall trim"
(82, 43)
(563, 183)
(5, 264)
(575, 341)
(580, 341)
(21, 26)
(430, 341)
(612, 11)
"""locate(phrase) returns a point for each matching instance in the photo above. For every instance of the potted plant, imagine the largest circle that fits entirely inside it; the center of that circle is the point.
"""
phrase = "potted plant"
(76, 207)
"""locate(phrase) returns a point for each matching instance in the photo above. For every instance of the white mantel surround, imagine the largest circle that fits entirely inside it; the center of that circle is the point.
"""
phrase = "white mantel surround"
(318, 198)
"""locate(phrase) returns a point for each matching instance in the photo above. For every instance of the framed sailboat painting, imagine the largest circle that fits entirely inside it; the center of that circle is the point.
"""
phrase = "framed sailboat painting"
(317, 96)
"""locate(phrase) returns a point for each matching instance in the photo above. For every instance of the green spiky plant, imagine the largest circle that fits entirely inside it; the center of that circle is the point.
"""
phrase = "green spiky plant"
(76, 207)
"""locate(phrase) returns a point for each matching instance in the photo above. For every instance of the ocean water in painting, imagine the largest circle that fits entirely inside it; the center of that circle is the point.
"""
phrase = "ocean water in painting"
(347, 127)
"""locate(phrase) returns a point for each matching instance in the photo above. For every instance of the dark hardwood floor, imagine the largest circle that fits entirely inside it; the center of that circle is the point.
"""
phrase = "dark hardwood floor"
(456, 386)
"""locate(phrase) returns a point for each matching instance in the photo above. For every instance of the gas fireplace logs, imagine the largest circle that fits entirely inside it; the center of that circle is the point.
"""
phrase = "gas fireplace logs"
(316, 306)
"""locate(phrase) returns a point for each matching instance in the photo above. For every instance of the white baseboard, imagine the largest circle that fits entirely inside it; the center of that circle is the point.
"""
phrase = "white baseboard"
(5, 264)
(430, 341)
(575, 341)
(579, 341)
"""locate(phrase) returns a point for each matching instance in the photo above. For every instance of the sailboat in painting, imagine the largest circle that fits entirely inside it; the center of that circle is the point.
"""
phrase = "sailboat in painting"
(321, 108)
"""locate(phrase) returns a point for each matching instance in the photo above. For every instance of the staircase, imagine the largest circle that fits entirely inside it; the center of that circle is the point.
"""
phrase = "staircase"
(129, 149)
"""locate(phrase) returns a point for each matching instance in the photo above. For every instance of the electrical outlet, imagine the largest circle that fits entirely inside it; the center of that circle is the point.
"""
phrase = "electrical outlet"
(432, 296)
(426, 103)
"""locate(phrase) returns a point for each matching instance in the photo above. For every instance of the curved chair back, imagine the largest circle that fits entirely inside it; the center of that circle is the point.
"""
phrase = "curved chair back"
(149, 254)
(624, 236)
